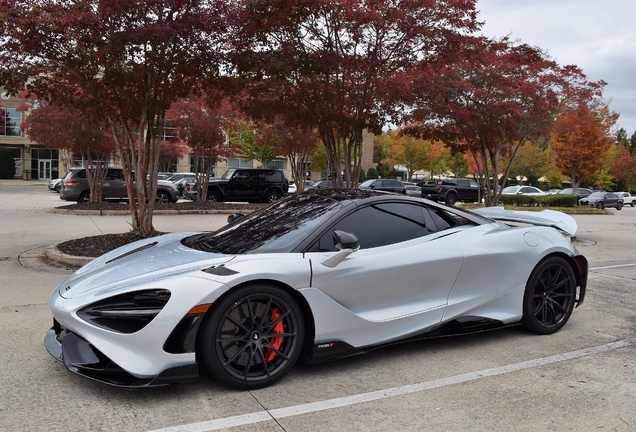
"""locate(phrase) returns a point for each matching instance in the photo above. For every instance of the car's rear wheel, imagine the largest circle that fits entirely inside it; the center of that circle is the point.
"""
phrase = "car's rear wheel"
(600, 205)
(549, 297)
(252, 337)
(213, 196)
(163, 197)
(84, 197)
(451, 199)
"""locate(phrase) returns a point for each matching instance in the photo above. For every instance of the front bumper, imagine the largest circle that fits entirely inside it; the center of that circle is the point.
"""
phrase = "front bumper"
(84, 359)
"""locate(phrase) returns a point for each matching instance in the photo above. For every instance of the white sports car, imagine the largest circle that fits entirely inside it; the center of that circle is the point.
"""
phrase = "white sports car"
(315, 276)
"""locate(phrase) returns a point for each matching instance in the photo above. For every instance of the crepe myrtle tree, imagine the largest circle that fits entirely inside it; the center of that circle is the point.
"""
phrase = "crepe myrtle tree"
(70, 130)
(490, 99)
(124, 60)
(342, 66)
(201, 126)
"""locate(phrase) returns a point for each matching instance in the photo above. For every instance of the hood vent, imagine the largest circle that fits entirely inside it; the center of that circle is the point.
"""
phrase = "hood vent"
(139, 249)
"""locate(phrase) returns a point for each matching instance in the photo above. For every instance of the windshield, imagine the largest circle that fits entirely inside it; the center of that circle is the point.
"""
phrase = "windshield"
(227, 174)
(597, 195)
(277, 228)
(510, 189)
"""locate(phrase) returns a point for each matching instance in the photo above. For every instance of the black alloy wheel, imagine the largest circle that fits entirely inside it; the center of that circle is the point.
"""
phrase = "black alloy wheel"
(451, 199)
(619, 205)
(163, 197)
(549, 297)
(252, 337)
(213, 196)
(600, 205)
(272, 196)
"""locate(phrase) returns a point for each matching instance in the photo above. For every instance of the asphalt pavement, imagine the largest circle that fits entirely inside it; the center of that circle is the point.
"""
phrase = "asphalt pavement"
(582, 378)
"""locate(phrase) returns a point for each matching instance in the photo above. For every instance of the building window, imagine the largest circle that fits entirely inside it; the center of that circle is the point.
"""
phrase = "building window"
(238, 163)
(10, 120)
(277, 164)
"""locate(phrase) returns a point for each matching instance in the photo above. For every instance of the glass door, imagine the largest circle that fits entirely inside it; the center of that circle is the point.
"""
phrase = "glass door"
(45, 169)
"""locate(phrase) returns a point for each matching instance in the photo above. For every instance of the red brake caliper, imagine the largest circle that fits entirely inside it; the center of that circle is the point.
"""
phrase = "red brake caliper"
(276, 342)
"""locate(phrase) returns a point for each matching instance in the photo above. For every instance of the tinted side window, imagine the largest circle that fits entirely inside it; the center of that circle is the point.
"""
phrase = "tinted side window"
(273, 176)
(379, 225)
(444, 219)
(81, 174)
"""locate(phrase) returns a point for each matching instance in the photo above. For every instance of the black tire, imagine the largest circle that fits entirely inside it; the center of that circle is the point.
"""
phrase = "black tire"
(213, 196)
(58, 187)
(272, 196)
(619, 206)
(451, 199)
(84, 197)
(252, 337)
(163, 197)
(549, 297)
(600, 205)
(633, 203)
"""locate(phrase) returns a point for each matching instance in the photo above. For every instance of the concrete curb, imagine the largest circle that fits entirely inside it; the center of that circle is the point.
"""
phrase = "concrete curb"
(53, 254)
(56, 210)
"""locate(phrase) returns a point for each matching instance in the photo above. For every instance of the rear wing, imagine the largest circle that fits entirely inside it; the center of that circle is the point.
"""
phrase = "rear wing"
(551, 218)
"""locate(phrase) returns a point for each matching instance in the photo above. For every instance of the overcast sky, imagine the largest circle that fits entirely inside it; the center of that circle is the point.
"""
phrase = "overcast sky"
(599, 36)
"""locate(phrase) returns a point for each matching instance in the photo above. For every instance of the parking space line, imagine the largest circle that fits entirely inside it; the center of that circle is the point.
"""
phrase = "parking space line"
(280, 413)
(612, 266)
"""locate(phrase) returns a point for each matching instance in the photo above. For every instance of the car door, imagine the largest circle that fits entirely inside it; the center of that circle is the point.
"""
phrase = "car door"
(114, 185)
(398, 282)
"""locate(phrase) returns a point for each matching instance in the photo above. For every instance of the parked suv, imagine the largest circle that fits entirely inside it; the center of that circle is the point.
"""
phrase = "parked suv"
(241, 184)
(75, 187)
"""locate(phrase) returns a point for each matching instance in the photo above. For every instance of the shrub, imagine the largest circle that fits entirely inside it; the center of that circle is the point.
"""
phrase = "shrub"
(556, 200)
(372, 173)
(7, 164)
(363, 176)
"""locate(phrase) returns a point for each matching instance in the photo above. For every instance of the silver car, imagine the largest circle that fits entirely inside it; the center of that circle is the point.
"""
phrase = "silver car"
(318, 276)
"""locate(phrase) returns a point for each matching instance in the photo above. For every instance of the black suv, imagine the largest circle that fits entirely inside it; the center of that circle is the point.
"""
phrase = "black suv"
(241, 184)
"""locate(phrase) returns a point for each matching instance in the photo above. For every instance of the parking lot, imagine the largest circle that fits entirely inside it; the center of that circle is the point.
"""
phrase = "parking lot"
(583, 378)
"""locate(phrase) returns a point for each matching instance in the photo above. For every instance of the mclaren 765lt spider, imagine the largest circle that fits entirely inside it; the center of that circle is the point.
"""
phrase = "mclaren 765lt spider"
(312, 277)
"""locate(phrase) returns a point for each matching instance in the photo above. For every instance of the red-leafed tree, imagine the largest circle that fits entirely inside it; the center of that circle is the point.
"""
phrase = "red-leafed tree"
(124, 60)
(203, 128)
(296, 142)
(489, 100)
(342, 65)
(69, 130)
(580, 138)
(624, 167)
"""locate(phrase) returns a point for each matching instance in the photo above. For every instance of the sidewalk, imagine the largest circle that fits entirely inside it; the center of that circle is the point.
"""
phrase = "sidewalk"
(20, 182)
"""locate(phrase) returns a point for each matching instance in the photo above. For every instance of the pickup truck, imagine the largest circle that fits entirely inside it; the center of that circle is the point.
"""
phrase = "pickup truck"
(627, 198)
(451, 190)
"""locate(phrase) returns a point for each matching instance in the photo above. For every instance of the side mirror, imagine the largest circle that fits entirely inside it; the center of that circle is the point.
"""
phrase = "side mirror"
(347, 243)
(345, 240)
(234, 217)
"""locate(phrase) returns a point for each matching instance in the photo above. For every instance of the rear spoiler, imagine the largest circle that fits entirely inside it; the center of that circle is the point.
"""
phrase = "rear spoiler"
(551, 218)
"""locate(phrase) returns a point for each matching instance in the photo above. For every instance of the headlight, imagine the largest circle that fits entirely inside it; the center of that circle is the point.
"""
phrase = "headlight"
(126, 313)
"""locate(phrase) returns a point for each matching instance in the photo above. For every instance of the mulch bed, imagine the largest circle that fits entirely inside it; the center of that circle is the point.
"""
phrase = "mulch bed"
(95, 246)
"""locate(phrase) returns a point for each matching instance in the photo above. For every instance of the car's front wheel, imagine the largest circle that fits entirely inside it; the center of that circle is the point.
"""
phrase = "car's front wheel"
(619, 206)
(252, 337)
(272, 196)
(549, 297)
(213, 196)
(600, 205)
(633, 204)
